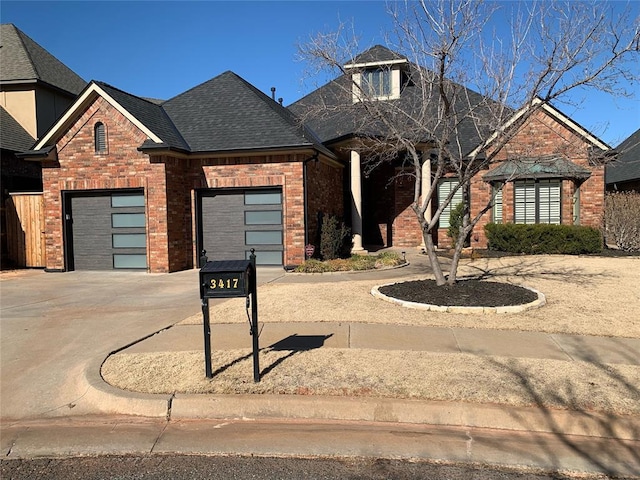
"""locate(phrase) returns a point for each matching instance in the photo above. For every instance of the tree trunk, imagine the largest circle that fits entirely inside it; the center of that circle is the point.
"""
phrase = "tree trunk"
(433, 258)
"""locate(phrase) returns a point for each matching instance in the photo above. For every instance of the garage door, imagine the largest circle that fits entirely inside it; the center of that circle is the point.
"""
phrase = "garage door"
(234, 222)
(109, 231)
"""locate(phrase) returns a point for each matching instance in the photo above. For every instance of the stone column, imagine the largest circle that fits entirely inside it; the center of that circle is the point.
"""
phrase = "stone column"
(356, 203)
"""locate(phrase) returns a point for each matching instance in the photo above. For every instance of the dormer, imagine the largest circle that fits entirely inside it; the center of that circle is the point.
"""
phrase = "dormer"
(377, 74)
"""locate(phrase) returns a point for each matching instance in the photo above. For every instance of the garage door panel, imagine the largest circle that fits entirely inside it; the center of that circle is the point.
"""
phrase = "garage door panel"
(234, 222)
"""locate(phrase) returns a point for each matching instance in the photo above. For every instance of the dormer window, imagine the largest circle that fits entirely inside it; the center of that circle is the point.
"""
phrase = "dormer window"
(381, 80)
(100, 137)
(376, 83)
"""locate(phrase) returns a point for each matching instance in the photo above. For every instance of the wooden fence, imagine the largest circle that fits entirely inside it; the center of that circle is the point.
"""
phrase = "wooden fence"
(25, 230)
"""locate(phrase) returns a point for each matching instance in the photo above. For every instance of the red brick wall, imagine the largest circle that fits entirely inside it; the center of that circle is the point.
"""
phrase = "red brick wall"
(325, 187)
(541, 135)
(275, 170)
(169, 184)
(80, 168)
(406, 229)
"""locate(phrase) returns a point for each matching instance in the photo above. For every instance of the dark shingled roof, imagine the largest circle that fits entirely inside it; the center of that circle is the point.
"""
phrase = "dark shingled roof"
(22, 59)
(350, 119)
(150, 114)
(228, 113)
(12, 136)
(626, 167)
(223, 114)
(377, 53)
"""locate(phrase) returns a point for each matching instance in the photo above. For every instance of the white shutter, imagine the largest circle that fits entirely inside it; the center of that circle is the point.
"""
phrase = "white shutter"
(444, 189)
(525, 207)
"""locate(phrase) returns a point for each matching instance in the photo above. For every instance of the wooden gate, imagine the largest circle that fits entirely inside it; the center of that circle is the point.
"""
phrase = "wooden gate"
(25, 229)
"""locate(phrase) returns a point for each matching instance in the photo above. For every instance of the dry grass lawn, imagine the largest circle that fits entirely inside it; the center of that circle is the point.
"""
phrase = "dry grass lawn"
(585, 295)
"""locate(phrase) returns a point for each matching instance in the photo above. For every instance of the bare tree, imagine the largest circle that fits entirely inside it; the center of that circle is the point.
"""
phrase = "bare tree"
(475, 86)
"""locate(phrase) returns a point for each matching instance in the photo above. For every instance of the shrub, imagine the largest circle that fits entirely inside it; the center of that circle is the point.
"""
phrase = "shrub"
(622, 220)
(335, 239)
(355, 262)
(455, 222)
(543, 239)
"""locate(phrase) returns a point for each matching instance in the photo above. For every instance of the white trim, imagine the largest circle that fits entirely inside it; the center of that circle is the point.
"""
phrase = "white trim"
(376, 64)
(94, 89)
(554, 113)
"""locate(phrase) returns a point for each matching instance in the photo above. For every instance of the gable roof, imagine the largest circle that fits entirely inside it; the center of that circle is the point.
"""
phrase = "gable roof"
(556, 115)
(223, 114)
(13, 137)
(626, 167)
(22, 60)
(376, 55)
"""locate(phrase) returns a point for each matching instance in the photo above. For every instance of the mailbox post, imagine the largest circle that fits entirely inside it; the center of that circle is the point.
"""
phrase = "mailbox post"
(228, 279)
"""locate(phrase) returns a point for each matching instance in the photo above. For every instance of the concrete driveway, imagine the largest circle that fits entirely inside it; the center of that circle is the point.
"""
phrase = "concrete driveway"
(53, 325)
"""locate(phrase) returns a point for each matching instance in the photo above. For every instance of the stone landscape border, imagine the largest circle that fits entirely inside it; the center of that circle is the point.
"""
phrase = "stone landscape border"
(539, 302)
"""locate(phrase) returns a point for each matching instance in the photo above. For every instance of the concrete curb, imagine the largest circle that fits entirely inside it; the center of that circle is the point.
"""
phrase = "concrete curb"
(408, 411)
(539, 302)
(106, 399)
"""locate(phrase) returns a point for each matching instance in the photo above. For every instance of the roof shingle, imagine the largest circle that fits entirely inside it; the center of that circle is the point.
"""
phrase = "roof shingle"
(22, 59)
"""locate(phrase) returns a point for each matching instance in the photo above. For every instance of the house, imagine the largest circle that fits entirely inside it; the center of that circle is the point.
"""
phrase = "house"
(131, 183)
(623, 174)
(550, 171)
(35, 89)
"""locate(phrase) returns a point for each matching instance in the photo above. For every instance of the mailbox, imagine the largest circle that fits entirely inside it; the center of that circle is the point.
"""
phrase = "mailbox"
(227, 279)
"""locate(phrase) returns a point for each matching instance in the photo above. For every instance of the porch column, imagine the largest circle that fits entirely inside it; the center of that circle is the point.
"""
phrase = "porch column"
(356, 203)
(425, 183)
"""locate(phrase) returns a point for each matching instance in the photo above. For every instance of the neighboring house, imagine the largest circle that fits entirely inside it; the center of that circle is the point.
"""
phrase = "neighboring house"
(35, 89)
(136, 184)
(552, 166)
(623, 174)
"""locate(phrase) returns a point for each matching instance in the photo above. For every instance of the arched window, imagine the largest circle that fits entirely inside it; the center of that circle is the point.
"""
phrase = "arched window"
(100, 137)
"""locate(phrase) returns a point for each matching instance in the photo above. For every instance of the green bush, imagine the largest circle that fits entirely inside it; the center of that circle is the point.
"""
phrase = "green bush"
(335, 239)
(455, 222)
(543, 239)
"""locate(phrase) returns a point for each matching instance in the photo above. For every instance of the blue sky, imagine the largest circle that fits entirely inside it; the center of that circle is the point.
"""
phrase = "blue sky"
(160, 49)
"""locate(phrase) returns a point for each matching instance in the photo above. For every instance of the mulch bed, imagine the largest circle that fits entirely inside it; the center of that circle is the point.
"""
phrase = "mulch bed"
(465, 293)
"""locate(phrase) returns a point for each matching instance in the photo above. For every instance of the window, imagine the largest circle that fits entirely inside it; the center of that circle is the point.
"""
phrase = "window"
(263, 217)
(444, 189)
(127, 200)
(128, 220)
(100, 137)
(537, 201)
(496, 210)
(376, 83)
(263, 198)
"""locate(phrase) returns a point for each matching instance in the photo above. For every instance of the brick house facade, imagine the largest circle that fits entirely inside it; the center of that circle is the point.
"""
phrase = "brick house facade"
(138, 160)
(566, 161)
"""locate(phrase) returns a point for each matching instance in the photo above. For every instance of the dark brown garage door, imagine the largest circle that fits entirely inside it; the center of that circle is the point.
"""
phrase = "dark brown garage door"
(233, 222)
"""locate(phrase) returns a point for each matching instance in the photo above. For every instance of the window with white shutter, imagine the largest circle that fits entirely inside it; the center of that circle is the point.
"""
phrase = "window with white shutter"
(444, 189)
(537, 201)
